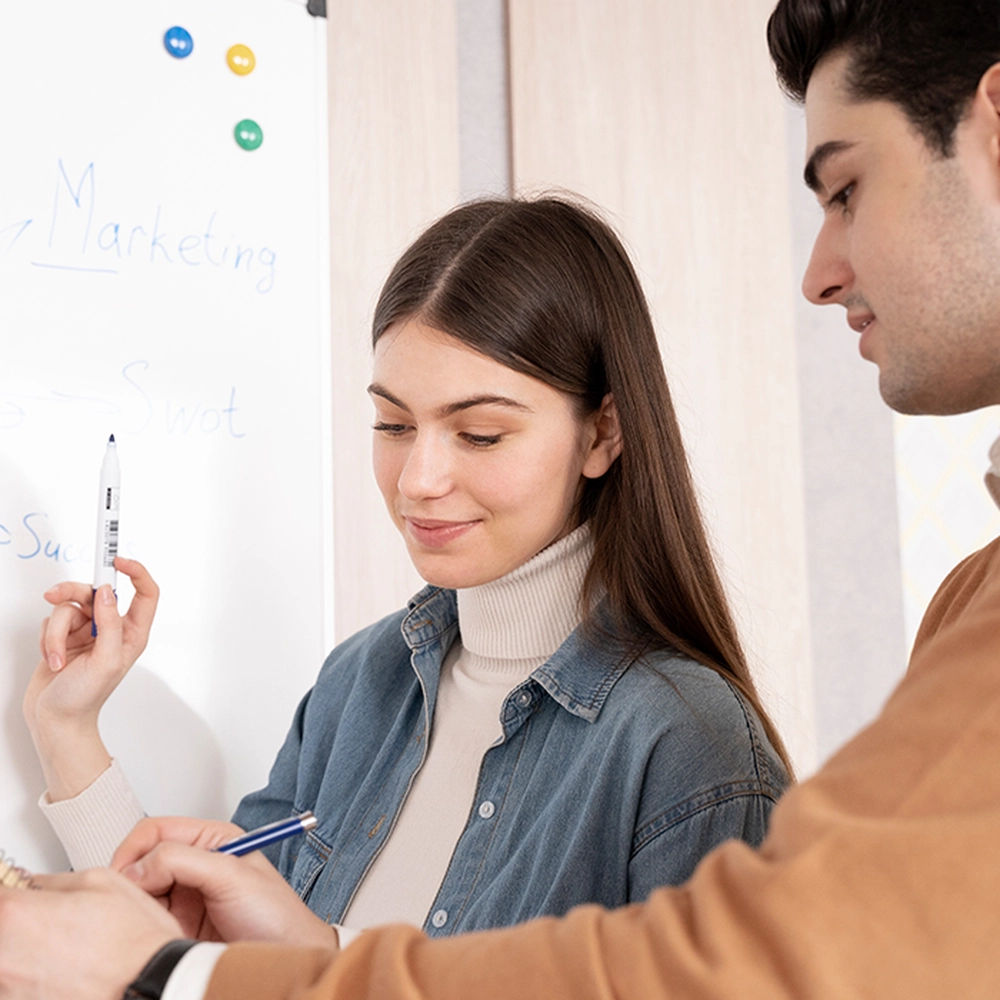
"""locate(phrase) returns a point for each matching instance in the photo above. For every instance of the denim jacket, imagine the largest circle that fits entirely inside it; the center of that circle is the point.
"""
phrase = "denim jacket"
(611, 778)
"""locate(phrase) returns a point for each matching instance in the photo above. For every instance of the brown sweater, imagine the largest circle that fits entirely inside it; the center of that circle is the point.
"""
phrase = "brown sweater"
(880, 876)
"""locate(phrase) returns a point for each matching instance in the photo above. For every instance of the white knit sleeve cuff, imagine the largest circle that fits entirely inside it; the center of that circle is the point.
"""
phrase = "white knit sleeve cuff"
(191, 975)
(92, 824)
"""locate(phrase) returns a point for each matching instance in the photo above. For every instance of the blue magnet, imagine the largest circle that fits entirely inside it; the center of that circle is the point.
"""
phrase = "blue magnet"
(178, 41)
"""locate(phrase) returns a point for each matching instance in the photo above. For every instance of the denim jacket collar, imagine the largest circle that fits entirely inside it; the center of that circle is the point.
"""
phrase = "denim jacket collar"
(578, 676)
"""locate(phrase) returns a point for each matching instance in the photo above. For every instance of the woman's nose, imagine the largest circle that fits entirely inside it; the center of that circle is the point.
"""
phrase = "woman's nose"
(427, 470)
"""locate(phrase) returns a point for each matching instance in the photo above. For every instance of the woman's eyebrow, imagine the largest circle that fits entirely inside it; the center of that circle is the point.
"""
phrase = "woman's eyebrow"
(484, 399)
(377, 390)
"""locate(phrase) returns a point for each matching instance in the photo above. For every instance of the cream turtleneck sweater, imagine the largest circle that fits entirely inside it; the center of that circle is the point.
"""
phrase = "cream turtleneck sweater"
(507, 628)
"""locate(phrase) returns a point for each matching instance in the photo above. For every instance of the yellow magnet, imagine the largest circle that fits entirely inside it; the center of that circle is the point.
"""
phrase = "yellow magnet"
(241, 59)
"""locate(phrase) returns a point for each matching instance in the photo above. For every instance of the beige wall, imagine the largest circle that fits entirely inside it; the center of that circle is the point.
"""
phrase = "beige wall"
(394, 167)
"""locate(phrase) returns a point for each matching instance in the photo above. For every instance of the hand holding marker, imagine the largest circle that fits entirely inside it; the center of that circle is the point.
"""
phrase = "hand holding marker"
(107, 522)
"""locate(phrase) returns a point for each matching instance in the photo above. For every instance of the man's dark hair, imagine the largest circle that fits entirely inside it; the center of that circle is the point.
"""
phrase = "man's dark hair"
(926, 56)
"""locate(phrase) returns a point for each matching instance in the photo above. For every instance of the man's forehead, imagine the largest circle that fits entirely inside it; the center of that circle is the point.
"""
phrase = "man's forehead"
(829, 106)
(838, 122)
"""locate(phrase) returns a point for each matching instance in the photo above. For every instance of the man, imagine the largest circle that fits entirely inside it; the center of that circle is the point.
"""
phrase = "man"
(881, 875)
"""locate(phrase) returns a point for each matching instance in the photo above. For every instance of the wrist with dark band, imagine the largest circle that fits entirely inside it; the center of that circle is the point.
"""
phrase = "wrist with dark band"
(151, 982)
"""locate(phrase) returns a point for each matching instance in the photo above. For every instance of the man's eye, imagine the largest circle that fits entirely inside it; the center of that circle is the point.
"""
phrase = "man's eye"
(842, 197)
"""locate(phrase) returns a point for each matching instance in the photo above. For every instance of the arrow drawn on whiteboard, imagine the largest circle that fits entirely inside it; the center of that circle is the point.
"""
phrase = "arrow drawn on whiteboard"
(103, 405)
(14, 225)
(10, 415)
(133, 405)
(54, 395)
(142, 366)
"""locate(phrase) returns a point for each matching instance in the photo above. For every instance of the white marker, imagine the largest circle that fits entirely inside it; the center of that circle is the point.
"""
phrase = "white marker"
(107, 522)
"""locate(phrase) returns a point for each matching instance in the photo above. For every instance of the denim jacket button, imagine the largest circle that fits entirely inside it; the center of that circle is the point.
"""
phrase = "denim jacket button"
(487, 809)
(440, 918)
(524, 699)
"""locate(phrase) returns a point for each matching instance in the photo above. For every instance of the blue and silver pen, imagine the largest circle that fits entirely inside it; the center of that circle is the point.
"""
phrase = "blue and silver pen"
(270, 834)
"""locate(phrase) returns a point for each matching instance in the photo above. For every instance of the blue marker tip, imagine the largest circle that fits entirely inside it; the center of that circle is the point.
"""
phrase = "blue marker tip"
(111, 440)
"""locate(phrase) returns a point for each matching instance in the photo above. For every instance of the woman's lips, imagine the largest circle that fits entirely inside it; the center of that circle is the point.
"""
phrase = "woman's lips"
(436, 534)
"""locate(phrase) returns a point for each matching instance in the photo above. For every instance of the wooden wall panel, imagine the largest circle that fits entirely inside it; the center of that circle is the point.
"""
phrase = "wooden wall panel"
(393, 168)
(665, 112)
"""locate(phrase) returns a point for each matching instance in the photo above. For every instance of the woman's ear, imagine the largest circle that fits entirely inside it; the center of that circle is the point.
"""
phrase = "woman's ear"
(606, 443)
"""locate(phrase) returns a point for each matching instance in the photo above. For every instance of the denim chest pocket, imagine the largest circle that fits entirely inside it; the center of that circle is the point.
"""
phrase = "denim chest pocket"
(307, 864)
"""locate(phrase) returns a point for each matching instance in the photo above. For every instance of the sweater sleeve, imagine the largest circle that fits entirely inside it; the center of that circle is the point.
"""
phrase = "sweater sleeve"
(879, 878)
(91, 825)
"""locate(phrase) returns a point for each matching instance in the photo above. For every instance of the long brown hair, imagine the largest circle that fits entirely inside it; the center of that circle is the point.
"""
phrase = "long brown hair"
(545, 287)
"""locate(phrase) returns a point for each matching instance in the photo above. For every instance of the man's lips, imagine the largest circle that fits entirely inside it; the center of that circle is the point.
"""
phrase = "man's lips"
(864, 324)
(859, 322)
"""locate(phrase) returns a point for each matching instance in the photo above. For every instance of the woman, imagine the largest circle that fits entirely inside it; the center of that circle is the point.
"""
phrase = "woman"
(564, 714)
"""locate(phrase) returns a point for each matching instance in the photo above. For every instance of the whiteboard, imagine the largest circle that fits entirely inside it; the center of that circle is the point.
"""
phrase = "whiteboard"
(161, 283)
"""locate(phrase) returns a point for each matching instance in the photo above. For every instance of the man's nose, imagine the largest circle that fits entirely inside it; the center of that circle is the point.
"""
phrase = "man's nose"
(829, 275)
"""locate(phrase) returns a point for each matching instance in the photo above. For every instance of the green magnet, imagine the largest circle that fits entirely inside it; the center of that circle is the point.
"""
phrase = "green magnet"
(248, 134)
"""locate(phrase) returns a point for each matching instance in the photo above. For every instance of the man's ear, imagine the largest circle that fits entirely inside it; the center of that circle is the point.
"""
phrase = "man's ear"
(989, 86)
(985, 109)
(606, 444)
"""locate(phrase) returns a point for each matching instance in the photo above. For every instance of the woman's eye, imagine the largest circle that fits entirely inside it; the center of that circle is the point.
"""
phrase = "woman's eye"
(482, 440)
(393, 430)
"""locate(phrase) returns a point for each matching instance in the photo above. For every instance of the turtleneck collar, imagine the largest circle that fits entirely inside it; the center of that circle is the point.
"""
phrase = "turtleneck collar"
(529, 613)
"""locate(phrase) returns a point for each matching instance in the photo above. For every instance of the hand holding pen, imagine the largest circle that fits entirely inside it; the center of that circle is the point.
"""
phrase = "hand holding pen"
(214, 895)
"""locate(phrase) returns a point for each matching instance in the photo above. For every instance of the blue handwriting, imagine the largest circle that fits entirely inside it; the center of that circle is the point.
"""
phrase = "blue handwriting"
(130, 400)
(31, 537)
(155, 238)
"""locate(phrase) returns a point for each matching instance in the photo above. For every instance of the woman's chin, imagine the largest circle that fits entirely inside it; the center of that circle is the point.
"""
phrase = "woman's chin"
(452, 573)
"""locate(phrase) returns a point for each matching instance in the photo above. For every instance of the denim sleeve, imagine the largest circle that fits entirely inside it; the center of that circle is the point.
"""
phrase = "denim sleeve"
(667, 850)
(276, 800)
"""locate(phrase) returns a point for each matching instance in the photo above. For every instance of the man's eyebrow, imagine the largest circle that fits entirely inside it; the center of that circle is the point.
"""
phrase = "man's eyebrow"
(484, 399)
(819, 156)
